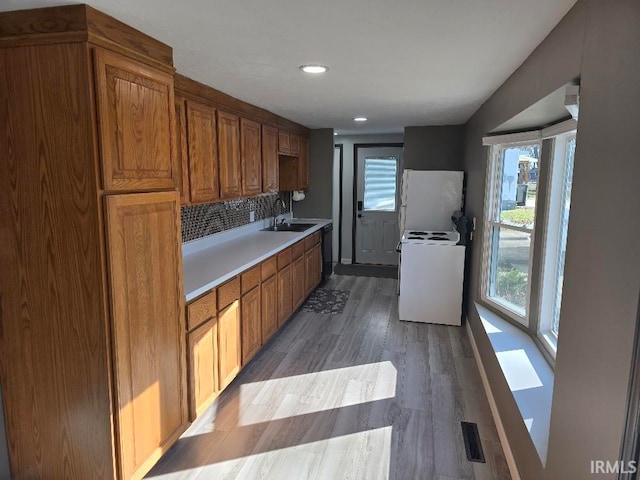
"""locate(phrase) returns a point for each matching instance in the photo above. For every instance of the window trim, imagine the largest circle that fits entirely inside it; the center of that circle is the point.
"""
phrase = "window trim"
(492, 195)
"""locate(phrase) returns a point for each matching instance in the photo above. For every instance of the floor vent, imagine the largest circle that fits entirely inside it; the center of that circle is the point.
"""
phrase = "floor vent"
(472, 442)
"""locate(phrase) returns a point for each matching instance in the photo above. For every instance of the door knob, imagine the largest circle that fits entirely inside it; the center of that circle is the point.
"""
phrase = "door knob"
(360, 215)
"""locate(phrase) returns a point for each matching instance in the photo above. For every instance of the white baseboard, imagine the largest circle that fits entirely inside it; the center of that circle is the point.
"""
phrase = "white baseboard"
(502, 434)
(345, 261)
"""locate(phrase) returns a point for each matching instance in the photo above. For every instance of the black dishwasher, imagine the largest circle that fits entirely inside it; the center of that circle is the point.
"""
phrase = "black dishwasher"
(327, 251)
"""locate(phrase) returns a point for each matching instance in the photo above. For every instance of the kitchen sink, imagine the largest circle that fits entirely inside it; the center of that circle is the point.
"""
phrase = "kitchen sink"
(290, 227)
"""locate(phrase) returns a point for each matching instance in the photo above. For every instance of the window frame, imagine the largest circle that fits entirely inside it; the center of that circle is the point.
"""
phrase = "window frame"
(492, 198)
(551, 240)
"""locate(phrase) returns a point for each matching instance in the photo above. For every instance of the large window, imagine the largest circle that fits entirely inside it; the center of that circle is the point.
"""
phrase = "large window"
(522, 227)
(511, 222)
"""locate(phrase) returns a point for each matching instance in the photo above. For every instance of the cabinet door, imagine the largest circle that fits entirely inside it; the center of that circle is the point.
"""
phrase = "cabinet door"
(251, 324)
(182, 155)
(203, 367)
(203, 153)
(229, 348)
(147, 308)
(284, 295)
(269, 308)
(283, 142)
(251, 157)
(298, 281)
(270, 164)
(229, 155)
(294, 145)
(308, 272)
(303, 164)
(136, 121)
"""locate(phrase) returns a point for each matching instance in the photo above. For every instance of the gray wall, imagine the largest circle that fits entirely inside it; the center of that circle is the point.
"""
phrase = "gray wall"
(598, 42)
(434, 148)
(318, 198)
(348, 141)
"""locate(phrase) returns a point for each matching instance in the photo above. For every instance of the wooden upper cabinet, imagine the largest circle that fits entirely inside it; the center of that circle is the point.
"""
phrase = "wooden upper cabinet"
(284, 142)
(147, 308)
(136, 123)
(251, 157)
(182, 155)
(203, 153)
(294, 145)
(229, 155)
(303, 164)
(270, 162)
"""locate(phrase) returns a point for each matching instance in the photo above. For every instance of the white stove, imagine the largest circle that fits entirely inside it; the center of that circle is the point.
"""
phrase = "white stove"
(431, 276)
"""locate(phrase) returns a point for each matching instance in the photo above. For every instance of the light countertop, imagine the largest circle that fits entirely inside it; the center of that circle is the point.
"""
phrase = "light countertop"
(218, 261)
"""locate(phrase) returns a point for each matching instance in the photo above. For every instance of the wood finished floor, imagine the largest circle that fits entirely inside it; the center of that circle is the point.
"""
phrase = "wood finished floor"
(359, 395)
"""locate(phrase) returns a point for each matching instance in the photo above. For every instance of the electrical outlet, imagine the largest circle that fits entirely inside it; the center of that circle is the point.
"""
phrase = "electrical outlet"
(252, 216)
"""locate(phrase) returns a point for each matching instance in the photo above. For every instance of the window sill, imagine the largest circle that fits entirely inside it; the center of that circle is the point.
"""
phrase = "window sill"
(527, 373)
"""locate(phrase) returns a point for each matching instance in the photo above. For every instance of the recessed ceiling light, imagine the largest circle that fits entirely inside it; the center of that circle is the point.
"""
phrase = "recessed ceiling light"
(314, 68)
(335, 133)
(360, 119)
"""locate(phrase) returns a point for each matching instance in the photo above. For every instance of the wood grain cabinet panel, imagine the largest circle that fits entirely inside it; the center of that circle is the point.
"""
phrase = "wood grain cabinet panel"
(294, 145)
(203, 153)
(136, 119)
(229, 155)
(203, 367)
(269, 307)
(284, 140)
(251, 324)
(285, 306)
(250, 278)
(270, 163)
(148, 324)
(251, 157)
(182, 155)
(204, 308)
(229, 346)
(298, 282)
(303, 164)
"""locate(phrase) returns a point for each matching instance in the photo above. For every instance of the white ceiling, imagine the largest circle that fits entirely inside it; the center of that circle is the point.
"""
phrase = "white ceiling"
(399, 63)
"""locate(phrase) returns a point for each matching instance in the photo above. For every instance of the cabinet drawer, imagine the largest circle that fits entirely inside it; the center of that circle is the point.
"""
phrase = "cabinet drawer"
(250, 279)
(284, 258)
(202, 309)
(297, 250)
(309, 242)
(269, 267)
(228, 293)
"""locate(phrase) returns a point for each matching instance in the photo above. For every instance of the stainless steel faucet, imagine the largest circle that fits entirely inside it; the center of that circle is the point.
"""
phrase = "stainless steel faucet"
(278, 202)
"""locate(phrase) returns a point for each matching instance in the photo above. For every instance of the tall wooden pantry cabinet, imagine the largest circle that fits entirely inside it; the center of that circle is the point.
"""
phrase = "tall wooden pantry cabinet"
(92, 355)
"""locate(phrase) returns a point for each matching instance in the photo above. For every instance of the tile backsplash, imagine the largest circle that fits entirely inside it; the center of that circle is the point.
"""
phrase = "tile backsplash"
(202, 220)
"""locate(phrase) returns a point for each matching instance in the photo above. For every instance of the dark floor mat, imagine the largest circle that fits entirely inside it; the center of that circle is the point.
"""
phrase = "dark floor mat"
(326, 301)
(379, 271)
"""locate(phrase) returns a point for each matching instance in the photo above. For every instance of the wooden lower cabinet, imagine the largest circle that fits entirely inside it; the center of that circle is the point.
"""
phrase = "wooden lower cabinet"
(298, 280)
(312, 268)
(269, 307)
(148, 324)
(285, 306)
(203, 366)
(229, 347)
(251, 324)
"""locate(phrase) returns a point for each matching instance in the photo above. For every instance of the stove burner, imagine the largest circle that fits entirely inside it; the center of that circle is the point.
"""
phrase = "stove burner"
(415, 238)
(438, 238)
(439, 233)
(418, 233)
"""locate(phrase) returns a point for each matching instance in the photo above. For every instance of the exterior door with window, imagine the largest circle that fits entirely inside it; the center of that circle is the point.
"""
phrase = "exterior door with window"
(376, 223)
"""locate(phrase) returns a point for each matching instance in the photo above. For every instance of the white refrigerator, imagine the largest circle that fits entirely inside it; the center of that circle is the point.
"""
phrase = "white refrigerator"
(429, 198)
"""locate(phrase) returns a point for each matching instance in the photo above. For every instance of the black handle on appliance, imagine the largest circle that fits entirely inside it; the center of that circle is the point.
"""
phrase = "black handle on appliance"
(359, 204)
(360, 215)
